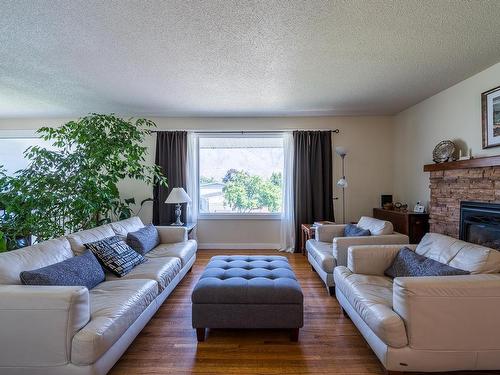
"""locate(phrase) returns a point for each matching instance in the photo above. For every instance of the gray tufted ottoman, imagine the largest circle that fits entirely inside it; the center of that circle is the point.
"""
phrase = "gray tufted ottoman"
(247, 292)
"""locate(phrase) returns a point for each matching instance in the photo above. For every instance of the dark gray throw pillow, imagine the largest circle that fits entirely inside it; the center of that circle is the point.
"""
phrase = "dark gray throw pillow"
(352, 230)
(83, 270)
(144, 240)
(409, 263)
(115, 255)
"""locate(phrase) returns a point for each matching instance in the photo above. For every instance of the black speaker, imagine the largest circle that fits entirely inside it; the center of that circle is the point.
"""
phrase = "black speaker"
(385, 199)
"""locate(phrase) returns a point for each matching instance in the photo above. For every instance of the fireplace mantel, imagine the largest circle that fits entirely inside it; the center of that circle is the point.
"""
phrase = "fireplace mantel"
(489, 161)
(454, 182)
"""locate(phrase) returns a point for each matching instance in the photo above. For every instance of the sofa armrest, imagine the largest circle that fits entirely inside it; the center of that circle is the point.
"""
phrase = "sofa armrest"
(37, 323)
(341, 244)
(450, 312)
(172, 234)
(372, 259)
(326, 233)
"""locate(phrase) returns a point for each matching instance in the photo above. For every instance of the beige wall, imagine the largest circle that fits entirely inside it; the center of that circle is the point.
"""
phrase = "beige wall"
(386, 154)
(369, 167)
(453, 114)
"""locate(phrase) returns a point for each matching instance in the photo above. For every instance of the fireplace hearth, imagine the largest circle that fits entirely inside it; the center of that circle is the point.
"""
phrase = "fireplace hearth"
(480, 223)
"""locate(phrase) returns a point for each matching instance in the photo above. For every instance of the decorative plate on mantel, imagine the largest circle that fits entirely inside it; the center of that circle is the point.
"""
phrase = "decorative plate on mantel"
(443, 152)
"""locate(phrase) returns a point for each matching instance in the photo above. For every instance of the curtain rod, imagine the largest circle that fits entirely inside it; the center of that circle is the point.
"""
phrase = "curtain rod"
(247, 131)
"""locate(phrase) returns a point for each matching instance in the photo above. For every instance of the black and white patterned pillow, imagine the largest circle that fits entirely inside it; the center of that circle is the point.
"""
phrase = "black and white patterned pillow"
(115, 255)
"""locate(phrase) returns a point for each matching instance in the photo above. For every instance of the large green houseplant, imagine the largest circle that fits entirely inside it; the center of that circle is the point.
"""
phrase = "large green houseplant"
(75, 186)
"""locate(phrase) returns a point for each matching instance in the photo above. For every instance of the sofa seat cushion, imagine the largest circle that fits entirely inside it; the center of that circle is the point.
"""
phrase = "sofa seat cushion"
(322, 252)
(459, 254)
(114, 307)
(162, 270)
(46, 253)
(79, 239)
(182, 250)
(371, 297)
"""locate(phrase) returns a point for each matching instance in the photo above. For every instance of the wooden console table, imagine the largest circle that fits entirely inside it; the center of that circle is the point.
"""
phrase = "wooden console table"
(413, 224)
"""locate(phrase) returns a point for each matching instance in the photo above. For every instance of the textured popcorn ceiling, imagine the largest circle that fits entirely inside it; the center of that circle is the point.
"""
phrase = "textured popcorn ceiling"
(241, 58)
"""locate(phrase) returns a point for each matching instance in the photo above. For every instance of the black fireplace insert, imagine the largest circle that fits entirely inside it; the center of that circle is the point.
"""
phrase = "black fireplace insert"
(480, 223)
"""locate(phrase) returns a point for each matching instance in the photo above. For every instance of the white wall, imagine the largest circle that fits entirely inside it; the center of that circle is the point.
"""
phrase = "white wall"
(368, 163)
(453, 114)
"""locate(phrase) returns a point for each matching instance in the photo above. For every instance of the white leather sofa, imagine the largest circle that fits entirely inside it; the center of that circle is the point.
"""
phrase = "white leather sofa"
(55, 330)
(426, 324)
(329, 248)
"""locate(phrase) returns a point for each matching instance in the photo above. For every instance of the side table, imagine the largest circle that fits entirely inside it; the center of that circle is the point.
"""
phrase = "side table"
(308, 232)
(189, 226)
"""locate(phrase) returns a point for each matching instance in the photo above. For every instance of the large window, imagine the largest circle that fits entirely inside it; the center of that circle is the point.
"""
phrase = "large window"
(12, 152)
(240, 174)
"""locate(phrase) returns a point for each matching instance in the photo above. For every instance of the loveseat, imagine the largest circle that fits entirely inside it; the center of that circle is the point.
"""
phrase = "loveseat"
(432, 323)
(54, 330)
(329, 247)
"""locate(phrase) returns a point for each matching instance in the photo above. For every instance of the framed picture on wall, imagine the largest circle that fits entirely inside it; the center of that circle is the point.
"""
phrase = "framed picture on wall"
(490, 103)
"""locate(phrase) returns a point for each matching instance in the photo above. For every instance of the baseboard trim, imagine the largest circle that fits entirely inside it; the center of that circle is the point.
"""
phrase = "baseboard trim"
(239, 246)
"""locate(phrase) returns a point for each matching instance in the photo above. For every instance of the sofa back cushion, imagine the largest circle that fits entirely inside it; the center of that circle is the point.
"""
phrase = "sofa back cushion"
(46, 253)
(123, 227)
(375, 226)
(79, 239)
(459, 254)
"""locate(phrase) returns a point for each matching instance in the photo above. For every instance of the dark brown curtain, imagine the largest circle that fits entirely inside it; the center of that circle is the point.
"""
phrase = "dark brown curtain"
(171, 155)
(312, 179)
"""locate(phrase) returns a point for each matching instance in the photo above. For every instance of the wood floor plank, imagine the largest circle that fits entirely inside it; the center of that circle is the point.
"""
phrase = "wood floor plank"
(329, 343)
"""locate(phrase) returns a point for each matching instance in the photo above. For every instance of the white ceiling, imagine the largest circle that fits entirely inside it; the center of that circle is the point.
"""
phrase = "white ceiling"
(237, 58)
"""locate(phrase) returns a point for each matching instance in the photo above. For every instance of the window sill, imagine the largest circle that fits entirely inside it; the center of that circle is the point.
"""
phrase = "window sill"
(239, 216)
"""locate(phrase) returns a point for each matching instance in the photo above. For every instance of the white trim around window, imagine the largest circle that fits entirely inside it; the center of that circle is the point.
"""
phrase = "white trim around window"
(235, 215)
(239, 216)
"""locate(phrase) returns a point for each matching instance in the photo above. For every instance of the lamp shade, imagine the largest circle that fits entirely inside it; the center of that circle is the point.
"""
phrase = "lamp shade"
(341, 151)
(342, 183)
(178, 195)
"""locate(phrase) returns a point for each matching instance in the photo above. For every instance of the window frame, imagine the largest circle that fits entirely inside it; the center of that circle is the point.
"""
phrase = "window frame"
(231, 215)
(19, 135)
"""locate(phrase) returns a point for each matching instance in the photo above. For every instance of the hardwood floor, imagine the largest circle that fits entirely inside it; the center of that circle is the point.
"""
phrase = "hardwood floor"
(329, 343)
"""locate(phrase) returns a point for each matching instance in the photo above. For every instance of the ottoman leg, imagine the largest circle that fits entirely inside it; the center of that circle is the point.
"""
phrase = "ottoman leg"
(200, 334)
(294, 334)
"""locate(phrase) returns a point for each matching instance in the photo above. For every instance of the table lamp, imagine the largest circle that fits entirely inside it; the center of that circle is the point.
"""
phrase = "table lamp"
(178, 195)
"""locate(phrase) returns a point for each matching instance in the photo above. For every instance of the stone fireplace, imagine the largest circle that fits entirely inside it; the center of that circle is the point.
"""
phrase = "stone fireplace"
(449, 188)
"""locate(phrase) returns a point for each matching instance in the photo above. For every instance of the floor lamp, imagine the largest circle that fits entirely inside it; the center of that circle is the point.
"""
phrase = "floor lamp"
(342, 183)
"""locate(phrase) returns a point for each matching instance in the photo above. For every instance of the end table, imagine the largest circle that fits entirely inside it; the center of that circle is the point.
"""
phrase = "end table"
(189, 227)
(308, 232)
